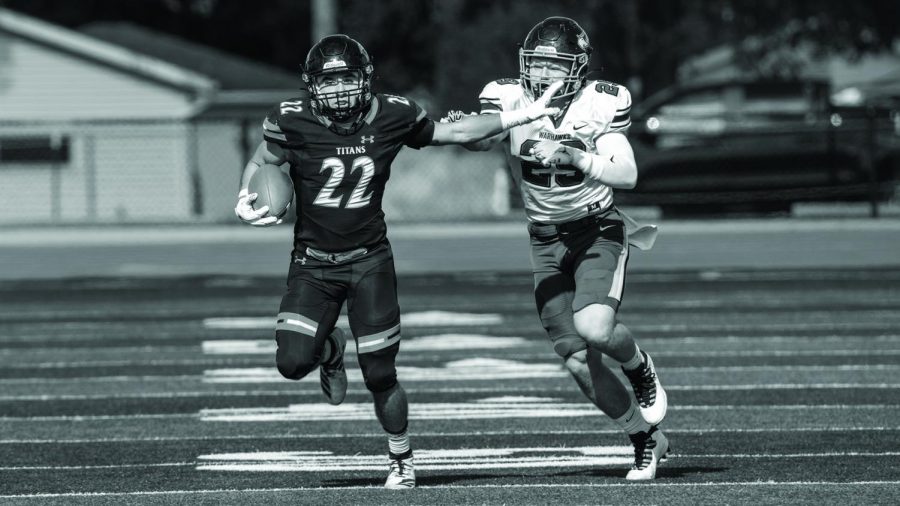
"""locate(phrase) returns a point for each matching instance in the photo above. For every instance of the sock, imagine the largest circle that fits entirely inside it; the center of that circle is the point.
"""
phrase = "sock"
(635, 361)
(399, 445)
(632, 422)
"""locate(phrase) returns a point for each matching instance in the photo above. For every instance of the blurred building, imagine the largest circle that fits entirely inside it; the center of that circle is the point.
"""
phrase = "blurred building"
(122, 124)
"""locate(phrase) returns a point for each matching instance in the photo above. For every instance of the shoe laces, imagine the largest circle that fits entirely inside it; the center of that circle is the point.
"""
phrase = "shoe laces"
(644, 444)
(399, 467)
(643, 380)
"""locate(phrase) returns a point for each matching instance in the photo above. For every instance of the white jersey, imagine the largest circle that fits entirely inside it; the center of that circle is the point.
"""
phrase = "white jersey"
(560, 194)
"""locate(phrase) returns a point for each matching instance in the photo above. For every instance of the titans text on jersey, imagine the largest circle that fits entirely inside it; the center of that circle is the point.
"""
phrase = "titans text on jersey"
(560, 194)
(339, 179)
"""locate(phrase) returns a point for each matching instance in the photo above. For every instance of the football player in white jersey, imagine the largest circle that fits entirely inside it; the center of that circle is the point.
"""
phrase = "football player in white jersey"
(566, 168)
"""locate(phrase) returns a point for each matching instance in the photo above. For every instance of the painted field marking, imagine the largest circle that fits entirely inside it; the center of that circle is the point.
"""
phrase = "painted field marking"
(488, 408)
(468, 459)
(660, 484)
(451, 342)
(414, 319)
(456, 459)
(428, 434)
(498, 369)
(280, 414)
(439, 342)
(289, 391)
(457, 370)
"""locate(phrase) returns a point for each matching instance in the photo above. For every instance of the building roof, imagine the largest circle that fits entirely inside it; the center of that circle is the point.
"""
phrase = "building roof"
(89, 48)
(231, 72)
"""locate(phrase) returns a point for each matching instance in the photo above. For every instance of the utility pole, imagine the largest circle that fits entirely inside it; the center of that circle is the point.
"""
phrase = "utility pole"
(324, 19)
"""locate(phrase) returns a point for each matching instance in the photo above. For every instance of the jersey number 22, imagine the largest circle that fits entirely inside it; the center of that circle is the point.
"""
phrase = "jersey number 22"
(359, 197)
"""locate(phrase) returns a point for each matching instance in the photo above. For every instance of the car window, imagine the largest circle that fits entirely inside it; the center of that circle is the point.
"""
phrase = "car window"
(699, 104)
(784, 100)
(700, 112)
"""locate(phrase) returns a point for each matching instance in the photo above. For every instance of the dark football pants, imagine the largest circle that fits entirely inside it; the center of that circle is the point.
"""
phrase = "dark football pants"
(316, 291)
(573, 270)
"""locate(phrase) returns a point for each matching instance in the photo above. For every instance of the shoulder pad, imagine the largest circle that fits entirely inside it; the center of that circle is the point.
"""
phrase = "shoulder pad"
(396, 105)
(507, 80)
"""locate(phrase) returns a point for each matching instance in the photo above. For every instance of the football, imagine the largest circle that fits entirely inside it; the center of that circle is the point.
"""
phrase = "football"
(273, 187)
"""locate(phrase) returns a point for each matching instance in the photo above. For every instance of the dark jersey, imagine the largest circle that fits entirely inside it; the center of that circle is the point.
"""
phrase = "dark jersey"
(339, 179)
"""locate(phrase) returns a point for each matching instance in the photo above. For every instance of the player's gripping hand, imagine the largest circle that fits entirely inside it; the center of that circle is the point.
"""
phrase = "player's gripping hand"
(256, 217)
(537, 109)
(551, 153)
(454, 116)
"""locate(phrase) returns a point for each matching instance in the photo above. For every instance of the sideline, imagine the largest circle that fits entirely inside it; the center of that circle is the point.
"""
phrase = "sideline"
(116, 235)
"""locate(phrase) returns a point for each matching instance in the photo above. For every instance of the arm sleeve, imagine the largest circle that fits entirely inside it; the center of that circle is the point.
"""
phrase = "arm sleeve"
(271, 131)
(421, 127)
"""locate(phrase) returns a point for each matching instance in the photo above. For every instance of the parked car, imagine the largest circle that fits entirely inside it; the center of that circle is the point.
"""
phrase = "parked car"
(759, 145)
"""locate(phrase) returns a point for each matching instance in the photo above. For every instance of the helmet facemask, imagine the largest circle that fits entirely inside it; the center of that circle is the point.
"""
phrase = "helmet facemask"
(535, 86)
(344, 104)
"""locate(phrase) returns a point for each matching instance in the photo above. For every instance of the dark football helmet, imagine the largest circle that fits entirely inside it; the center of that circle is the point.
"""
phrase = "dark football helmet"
(561, 39)
(338, 53)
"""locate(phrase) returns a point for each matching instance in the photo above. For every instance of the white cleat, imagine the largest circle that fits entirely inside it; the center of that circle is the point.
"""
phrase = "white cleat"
(650, 395)
(402, 474)
(649, 449)
(333, 378)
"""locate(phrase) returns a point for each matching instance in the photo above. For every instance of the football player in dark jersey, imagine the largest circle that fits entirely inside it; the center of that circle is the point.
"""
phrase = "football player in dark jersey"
(339, 139)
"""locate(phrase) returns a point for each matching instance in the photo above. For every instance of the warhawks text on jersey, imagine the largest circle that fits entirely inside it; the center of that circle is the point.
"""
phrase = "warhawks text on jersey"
(560, 194)
(339, 178)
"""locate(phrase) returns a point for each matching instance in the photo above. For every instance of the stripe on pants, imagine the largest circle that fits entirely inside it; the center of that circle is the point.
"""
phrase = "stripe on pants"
(381, 340)
(618, 282)
(295, 322)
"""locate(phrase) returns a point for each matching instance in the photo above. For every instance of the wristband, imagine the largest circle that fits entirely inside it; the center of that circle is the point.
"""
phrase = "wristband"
(592, 165)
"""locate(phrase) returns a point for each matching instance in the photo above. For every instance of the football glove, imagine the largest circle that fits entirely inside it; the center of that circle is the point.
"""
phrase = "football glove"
(551, 153)
(256, 217)
(537, 109)
(454, 116)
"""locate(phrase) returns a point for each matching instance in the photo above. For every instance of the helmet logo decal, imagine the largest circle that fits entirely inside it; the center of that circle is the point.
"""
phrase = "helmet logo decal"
(545, 49)
(334, 63)
(583, 42)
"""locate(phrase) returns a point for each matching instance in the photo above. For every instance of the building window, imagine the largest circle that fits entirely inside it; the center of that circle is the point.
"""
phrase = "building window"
(34, 149)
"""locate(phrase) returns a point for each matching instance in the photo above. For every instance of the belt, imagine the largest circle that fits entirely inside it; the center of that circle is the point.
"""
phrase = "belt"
(549, 229)
(336, 257)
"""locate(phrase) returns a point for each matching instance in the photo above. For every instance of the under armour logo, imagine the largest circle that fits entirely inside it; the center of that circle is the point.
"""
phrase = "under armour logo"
(300, 260)
(367, 139)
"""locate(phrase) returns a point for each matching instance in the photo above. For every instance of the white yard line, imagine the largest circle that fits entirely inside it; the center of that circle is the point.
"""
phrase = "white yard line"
(658, 484)
(380, 435)
(293, 392)
(446, 409)
(456, 459)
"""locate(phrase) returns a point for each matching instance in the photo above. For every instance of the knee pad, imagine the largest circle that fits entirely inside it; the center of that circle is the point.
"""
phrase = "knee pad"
(296, 355)
(378, 368)
(566, 346)
(561, 331)
(300, 342)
